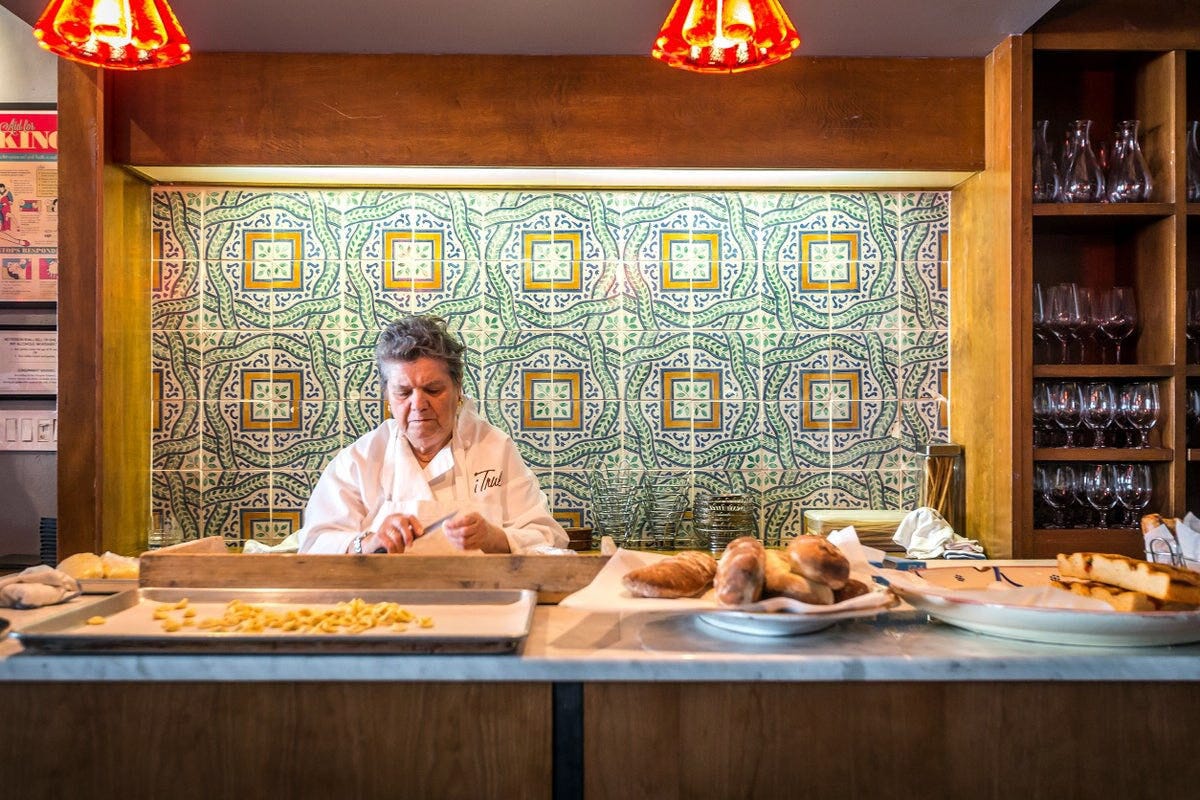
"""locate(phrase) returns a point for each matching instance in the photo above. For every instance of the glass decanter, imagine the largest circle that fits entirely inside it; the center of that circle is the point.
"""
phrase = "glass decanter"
(1193, 162)
(1128, 175)
(1083, 180)
(1046, 183)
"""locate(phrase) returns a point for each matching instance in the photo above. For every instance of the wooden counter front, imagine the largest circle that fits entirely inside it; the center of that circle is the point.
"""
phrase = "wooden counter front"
(285, 740)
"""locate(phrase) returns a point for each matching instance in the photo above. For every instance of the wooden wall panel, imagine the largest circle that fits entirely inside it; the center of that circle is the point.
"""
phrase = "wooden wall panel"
(104, 339)
(80, 231)
(226, 740)
(992, 740)
(990, 348)
(125, 420)
(550, 111)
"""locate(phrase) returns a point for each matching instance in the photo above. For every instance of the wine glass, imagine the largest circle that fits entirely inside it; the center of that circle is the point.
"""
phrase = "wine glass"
(1058, 490)
(1062, 315)
(1099, 490)
(1193, 415)
(1134, 490)
(1066, 404)
(1043, 415)
(1193, 325)
(1138, 404)
(1099, 406)
(1117, 318)
(1041, 331)
(1089, 320)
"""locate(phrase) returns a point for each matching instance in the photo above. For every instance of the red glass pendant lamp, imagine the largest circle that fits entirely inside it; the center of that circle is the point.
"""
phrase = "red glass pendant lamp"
(114, 34)
(725, 35)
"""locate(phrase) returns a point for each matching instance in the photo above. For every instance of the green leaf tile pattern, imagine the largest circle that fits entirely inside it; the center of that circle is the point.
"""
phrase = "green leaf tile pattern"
(793, 346)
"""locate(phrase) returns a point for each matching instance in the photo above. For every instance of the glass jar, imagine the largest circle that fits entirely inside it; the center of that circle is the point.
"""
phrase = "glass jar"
(1193, 162)
(942, 482)
(1128, 176)
(721, 518)
(1083, 179)
(1046, 183)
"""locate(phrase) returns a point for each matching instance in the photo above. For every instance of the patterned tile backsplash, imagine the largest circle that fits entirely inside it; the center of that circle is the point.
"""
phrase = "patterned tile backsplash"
(791, 346)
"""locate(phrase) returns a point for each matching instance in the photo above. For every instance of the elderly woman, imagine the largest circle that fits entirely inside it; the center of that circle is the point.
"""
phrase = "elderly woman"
(435, 456)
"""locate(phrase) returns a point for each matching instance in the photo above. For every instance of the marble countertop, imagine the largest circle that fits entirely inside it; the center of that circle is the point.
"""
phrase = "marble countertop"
(575, 645)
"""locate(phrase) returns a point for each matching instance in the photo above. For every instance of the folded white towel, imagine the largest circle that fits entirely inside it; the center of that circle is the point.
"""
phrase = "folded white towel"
(924, 533)
(36, 587)
(290, 544)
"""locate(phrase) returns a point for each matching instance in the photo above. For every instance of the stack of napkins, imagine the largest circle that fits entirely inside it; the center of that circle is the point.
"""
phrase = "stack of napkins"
(1181, 547)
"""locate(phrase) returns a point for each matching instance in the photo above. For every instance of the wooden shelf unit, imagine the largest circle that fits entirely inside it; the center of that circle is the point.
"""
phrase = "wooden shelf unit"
(1100, 245)
(1107, 62)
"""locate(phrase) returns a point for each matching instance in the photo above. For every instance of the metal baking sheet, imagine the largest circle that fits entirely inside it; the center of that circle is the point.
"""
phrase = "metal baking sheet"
(106, 585)
(464, 621)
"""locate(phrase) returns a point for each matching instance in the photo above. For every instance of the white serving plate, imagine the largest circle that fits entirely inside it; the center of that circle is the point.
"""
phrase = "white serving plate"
(965, 606)
(760, 623)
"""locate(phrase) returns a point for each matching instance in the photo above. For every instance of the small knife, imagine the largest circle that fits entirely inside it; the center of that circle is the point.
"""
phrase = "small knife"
(437, 523)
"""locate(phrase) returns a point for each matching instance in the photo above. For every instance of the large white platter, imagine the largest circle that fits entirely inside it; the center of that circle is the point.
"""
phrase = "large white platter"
(961, 597)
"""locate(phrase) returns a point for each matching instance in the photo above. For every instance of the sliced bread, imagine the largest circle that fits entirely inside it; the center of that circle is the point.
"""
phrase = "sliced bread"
(1160, 581)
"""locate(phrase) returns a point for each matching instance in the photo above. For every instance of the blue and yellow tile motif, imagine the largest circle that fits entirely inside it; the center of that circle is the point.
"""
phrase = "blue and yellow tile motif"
(791, 345)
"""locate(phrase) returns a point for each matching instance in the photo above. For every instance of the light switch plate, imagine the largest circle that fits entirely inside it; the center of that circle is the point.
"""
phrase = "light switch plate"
(28, 429)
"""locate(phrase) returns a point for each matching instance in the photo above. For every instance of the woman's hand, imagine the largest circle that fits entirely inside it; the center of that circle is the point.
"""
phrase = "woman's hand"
(395, 534)
(470, 531)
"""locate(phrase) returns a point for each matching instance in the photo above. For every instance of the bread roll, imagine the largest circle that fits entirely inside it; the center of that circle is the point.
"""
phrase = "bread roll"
(818, 560)
(852, 588)
(782, 582)
(740, 572)
(686, 574)
(1152, 521)
(83, 566)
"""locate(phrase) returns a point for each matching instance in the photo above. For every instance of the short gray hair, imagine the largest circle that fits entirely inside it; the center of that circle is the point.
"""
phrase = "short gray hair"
(410, 338)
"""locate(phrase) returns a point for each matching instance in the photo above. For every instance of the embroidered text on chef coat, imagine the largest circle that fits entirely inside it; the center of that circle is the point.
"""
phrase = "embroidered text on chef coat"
(488, 478)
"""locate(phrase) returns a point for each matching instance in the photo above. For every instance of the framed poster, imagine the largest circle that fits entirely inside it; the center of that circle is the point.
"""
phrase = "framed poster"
(28, 204)
(28, 362)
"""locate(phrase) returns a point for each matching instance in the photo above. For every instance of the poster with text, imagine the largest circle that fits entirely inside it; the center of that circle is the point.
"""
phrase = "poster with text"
(28, 206)
(28, 362)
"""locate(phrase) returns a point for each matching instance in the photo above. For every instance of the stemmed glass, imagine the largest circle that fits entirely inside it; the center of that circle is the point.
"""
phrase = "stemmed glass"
(1099, 490)
(1117, 317)
(1089, 320)
(1066, 404)
(1193, 325)
(1138, 405)
(1193, 413)
(1043, 415)
(1099, 406)
(1041, 330)
(1058, 490)
(1134, 490)
(1062, 315)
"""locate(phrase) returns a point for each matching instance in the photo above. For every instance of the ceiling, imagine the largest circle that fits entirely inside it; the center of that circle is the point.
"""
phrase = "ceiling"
(916, 28)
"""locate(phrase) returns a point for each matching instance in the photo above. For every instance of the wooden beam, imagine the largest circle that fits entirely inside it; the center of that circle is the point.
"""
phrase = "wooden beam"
(550, 111)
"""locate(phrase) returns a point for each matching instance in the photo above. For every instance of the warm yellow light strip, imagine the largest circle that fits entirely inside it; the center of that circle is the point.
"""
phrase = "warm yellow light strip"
(551, 177)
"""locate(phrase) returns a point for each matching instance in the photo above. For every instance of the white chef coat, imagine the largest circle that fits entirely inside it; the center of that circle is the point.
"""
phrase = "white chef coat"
(479, 469)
